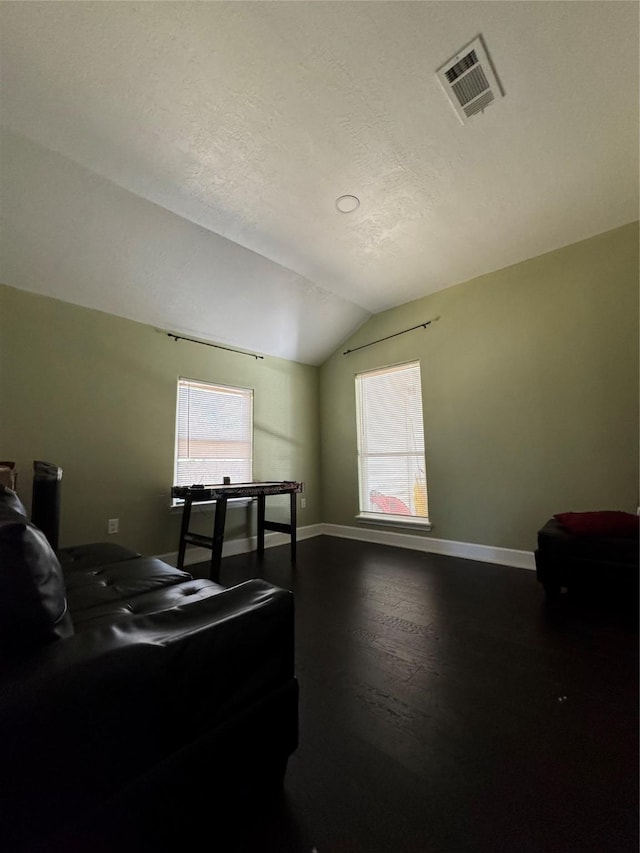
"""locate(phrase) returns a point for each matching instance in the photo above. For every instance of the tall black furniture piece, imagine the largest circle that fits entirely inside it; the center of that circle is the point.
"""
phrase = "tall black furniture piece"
(221, 494)
(45, 515)
(45, 500)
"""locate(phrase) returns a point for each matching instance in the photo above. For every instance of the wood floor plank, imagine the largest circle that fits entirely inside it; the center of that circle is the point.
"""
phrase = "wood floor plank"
(446, 708)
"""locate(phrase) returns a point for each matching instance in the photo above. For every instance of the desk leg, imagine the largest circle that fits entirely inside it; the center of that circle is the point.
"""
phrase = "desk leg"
(184, 529)
(294, 507)
(218, 539)
(261, 513)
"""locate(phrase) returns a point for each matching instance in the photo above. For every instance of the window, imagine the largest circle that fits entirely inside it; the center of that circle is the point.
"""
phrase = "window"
(391, 461)
(214, 434)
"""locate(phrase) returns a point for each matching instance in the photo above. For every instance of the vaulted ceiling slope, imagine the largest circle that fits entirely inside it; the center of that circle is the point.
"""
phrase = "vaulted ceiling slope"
(178, 163)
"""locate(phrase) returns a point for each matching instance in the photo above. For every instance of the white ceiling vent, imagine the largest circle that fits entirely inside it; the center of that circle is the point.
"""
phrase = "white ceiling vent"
(469, 80)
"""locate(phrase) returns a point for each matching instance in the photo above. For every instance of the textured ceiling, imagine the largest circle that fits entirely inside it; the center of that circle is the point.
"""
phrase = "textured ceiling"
(181, 161)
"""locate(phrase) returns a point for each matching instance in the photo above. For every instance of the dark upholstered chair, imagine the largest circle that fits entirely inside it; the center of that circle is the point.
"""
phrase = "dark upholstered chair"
(589, 552)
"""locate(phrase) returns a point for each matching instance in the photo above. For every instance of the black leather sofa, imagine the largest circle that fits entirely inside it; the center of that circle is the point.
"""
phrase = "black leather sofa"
(139, 707)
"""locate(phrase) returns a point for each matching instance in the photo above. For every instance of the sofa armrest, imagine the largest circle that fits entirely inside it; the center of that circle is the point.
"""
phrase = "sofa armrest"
(91, 712)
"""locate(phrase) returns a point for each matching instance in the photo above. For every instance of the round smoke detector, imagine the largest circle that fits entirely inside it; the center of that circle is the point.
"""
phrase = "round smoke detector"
(347, 203)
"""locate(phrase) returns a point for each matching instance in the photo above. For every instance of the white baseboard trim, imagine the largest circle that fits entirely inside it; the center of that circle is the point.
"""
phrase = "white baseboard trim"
(428, 544)
(242, 545)
(466, 550)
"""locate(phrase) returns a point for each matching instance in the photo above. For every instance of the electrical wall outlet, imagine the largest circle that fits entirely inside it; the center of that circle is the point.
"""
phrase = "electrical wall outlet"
(113, 525)
(303, 502)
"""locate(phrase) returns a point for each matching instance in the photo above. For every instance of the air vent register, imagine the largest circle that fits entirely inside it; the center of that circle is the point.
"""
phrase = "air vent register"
(469, 80)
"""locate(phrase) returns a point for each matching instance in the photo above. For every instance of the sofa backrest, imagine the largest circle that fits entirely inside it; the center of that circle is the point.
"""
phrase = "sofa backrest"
(33, 601)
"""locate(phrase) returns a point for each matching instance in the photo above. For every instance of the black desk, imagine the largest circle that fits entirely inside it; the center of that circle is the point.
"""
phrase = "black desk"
(221, 494)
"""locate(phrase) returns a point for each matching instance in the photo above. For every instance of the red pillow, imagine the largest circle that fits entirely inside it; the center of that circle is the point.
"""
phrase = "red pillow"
(605, 522)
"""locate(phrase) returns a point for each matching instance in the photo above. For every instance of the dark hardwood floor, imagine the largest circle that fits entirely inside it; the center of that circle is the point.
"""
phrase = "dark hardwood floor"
(446, 708)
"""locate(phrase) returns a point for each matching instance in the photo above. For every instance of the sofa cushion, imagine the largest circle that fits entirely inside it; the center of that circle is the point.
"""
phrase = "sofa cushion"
(119, 581)
(33, 603)
(94, 555)
(610, 523)
(171, 597)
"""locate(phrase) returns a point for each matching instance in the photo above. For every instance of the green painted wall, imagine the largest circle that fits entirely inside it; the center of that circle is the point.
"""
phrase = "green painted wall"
(530, 394)
(96, 394)
(530, 390)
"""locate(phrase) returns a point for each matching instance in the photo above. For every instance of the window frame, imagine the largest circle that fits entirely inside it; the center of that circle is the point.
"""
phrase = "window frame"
(201, 506)
(387, 519)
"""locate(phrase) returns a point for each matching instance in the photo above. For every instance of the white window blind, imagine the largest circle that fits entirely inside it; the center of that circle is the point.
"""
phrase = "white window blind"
(214, 434)
(391, 458)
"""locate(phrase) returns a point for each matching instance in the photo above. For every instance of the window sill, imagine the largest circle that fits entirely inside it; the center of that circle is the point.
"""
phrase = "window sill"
(409, 522)
(209, 506)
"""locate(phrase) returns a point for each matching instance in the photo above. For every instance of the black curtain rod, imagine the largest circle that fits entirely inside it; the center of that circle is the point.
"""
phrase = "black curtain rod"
(217, 346)
(404, 332)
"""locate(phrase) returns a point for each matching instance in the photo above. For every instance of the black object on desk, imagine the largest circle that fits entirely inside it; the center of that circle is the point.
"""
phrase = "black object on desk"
(221, 494)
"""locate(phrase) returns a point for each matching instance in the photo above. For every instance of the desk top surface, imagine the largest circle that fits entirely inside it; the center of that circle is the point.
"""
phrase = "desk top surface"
(235, 490)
